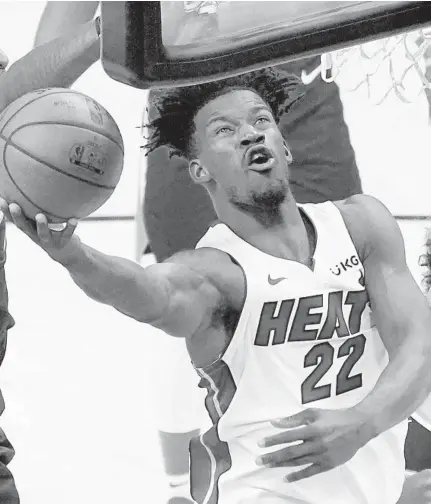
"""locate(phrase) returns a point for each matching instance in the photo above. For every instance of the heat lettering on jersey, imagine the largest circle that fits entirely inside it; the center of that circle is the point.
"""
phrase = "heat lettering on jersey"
(276, 326)
(335, 318)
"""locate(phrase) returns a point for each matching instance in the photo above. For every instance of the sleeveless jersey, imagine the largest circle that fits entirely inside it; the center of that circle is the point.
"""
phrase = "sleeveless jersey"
(305, 339)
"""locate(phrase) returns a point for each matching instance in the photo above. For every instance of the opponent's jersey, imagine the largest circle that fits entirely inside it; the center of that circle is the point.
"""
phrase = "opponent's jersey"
(305, 338)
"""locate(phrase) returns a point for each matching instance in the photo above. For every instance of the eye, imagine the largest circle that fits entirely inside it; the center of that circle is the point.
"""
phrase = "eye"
(223, 129)
(262, 119)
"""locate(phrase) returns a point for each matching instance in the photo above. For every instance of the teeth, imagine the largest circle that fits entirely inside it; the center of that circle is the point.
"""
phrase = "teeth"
(259, 156)
(260, 160)
(255, 157)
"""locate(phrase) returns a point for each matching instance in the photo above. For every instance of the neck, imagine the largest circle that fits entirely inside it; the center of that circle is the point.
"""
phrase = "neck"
(282, 233)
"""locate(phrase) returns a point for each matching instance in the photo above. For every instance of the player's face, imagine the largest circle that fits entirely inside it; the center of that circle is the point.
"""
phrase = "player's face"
(241, 150)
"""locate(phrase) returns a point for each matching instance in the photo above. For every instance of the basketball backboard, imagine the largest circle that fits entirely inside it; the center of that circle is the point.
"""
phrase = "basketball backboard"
(157, 44)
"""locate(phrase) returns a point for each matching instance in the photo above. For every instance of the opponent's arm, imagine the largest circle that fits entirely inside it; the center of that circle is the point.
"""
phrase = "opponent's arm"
(6, 320)
(57, 63)
(401, 313)
(173, 296)
(59, 17)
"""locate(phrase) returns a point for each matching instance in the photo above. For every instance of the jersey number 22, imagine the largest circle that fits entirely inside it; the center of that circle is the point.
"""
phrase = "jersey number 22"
(322, 356)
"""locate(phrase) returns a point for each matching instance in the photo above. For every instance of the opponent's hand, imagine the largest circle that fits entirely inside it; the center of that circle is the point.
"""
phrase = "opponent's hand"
(417, 489)
(55, 243)
(329, 438)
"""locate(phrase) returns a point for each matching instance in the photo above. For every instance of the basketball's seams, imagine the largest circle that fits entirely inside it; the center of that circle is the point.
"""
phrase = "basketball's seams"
(42, 210)
(10, 142)
(55, 91)
(75, 125)
(35, 142)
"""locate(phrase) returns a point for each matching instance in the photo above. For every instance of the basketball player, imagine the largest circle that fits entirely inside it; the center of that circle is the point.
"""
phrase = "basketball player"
(274, 304)
(321, 170)
(336, 177)
(176, 213)
(55, 64)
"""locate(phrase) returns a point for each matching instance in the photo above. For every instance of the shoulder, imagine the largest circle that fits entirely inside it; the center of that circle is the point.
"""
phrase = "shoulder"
(370, 224)
(361, 206)
(216, 268)
(208, 262)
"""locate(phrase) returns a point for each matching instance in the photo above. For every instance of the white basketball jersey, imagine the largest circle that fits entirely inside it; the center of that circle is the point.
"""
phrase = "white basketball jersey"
(305, 339)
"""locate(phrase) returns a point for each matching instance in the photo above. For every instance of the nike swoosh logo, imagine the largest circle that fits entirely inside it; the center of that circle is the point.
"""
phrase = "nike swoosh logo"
(275, 281)
(308, 78)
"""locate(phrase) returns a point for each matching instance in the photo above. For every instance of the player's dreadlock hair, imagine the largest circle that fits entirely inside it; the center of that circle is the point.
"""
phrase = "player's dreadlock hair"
(176, 108)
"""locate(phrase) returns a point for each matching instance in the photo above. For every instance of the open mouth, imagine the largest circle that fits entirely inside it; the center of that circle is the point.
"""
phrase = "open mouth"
(260, 157)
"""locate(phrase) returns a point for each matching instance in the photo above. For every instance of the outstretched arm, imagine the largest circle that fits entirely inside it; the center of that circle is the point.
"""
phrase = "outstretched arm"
(172, 296)
(58, 63)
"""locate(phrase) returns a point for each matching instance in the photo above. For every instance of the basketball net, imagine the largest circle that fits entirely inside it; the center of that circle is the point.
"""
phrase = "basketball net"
(395, 65)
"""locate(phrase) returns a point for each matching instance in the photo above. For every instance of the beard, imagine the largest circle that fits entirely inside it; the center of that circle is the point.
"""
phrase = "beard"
(263, 205)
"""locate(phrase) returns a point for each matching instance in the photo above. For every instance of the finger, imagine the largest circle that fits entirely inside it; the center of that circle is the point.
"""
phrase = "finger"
(311, 470)
(43, 231)
(301, 461)
(290, 453)
(69, 229)
(289, 436)
(21, 222)
(302, 418)
(4, 207)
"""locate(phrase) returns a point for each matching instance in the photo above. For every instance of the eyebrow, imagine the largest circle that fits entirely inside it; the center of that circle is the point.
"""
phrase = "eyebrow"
(216, 118)
(257, 108)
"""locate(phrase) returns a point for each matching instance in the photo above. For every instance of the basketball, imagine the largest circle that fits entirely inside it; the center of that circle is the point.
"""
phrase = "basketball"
(61, 154)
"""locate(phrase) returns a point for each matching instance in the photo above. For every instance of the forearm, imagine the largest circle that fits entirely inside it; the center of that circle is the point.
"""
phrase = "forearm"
(58, 17)
(58, 63)
(114, 281)
(402, 387)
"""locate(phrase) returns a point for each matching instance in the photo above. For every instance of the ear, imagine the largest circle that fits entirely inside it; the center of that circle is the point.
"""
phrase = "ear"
(198, 172)
(288, 153)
